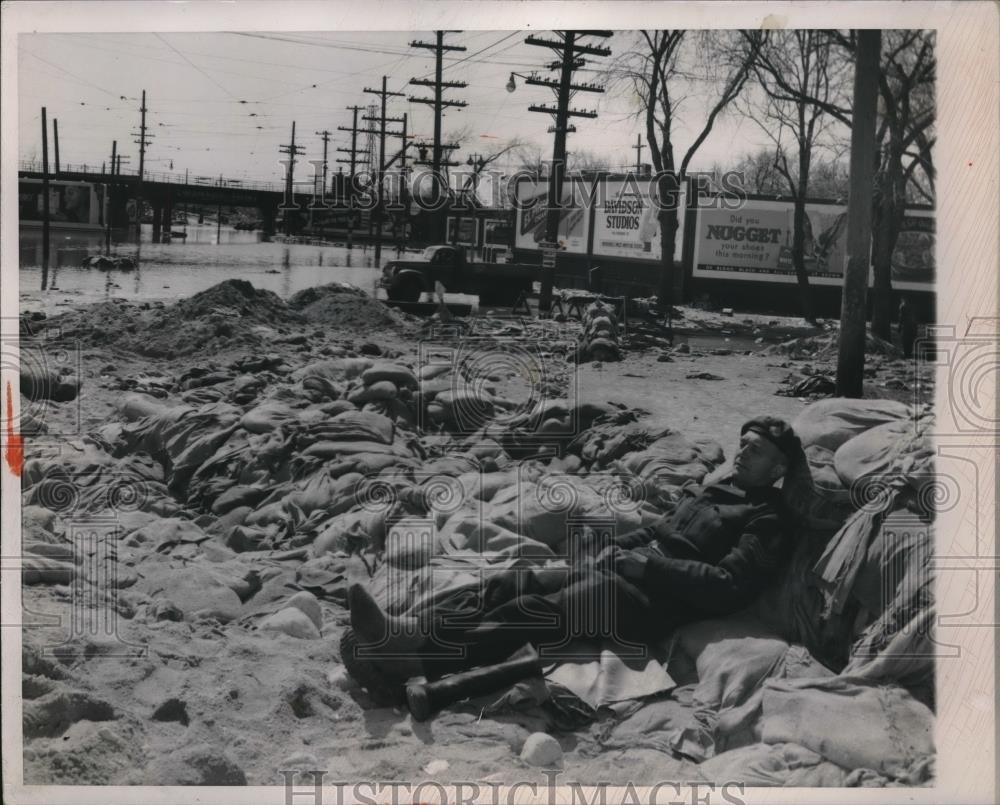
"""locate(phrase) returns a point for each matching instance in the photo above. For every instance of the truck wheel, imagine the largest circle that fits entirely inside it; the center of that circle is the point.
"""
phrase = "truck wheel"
(406, 289)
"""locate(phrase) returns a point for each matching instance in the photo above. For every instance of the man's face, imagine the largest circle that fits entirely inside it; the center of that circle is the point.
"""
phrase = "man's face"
(758, 462)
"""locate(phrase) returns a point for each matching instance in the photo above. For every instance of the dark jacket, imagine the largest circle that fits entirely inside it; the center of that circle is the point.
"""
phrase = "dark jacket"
(717, 550)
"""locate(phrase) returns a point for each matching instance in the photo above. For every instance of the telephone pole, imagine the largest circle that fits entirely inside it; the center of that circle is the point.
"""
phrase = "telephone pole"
(353, 162)
(638, 154)
(851, 355)
(568, 50)
(326, 140)
(292, 150)
(45, 201)
(379, 174)
(55, 141)
(107, 199)
(142, 142)
(438, 161)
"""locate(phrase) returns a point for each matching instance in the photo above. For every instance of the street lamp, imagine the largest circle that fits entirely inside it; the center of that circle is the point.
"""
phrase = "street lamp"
(511, 84)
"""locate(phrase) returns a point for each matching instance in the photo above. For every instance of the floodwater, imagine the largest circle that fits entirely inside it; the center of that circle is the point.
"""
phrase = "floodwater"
(170, 271)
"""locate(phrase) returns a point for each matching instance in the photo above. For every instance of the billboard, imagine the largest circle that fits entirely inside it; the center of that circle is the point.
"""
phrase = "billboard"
(69, 202)
(755, 242)
(497, 232)
(913, 258)
(463, 231)
(625, 221)
(574, 215)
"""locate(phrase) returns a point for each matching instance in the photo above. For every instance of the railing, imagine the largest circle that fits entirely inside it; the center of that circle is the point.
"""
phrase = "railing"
(159, 176)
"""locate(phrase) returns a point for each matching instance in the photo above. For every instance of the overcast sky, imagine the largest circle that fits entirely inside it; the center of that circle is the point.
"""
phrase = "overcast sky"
(224, 102)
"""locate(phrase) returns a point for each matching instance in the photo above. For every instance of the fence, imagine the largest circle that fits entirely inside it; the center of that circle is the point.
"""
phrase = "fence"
(159, 176)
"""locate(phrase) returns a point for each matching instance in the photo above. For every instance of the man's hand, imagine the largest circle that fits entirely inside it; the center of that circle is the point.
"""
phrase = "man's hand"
(630, 565)
(627, 564)
(593, 542)
(607, 559)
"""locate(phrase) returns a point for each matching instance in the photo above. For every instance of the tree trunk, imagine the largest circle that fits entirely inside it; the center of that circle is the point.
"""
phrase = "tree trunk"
(799, 258)
(669, 225)
(889, 222)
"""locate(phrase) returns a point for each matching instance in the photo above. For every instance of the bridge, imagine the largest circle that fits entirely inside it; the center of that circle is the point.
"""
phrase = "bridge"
(164, 190)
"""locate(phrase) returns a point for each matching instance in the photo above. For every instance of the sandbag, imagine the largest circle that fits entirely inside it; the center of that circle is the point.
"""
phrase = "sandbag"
(268, 416)
(363, 527)
(874, 452)
(429, 389)
(42, 384)
(350, 426)
(163, 533)
(400, 376)
(813, 492)
(382, 390)
(333, 369)
(826, 716)
(327, 449)
(830, 423)
(464, 407)
(786, 764)
(429, 371)
(195, 591)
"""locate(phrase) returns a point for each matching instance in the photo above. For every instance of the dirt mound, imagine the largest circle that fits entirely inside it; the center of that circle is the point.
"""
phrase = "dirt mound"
(224, 315)
(342, 305)
(235, 297)
(306, 297)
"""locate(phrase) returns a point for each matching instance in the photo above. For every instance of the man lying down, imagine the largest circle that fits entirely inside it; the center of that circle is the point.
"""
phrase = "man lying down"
(712, 555)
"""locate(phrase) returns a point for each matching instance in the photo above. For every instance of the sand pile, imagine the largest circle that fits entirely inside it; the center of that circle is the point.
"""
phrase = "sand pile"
(232, 313)
(343, 305)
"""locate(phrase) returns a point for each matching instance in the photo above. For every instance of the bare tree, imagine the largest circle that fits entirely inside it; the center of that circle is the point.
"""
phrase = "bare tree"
(531, 160)
(664, 69)
(587, 161)
(800, 59)
(828, 179)
(758, 172)
(907, 114)
(467, 194)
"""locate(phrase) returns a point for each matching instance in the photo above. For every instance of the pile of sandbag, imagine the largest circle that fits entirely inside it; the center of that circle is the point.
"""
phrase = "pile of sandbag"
(868, 463)
(40, 383)
(600, 339)
(447, 399)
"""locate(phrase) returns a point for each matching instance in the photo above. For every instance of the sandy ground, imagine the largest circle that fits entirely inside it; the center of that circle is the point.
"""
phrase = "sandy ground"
(209, 703)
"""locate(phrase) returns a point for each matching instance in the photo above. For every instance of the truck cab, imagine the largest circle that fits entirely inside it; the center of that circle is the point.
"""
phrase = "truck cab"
(493, 283)
(406, 280)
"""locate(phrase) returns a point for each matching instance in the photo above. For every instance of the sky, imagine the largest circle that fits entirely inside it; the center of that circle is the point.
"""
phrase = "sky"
(223, 103)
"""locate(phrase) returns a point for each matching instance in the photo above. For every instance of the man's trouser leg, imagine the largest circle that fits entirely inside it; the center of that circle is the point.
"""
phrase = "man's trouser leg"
(594, 604)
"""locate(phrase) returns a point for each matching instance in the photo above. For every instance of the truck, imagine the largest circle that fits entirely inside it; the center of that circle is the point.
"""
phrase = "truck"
(497, 284)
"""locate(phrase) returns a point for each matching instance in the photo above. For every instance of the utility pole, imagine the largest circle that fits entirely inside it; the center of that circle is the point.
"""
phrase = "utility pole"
(638, 154)
(292, 150)
(218, 212)
(353, 161)
(55, 140)
(326, 140)
(568, 50)
(45, 201)
(379, 174)
(325, 135)
(111, 185)
(438, 161)
(143, 141)
(851, 355)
